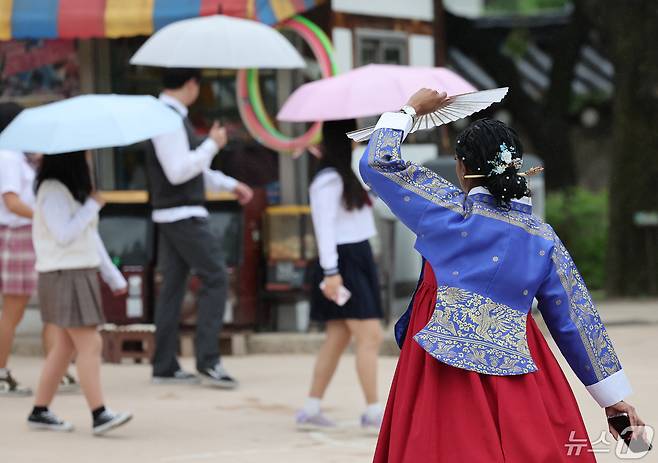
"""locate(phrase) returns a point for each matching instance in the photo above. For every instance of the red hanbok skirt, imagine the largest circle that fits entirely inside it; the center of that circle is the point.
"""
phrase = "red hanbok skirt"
(437, 413)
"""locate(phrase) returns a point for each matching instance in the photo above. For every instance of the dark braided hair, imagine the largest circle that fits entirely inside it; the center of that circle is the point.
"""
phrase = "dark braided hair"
(479, 144)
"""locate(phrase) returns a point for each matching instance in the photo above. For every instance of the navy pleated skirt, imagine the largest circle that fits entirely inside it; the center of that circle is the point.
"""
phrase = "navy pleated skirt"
(357, 267)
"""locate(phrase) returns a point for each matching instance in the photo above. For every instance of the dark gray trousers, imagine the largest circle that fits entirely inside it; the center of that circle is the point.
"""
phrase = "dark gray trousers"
(183, 246)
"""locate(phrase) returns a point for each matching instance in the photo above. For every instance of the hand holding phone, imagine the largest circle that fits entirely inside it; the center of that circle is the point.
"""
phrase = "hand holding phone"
(622, 424)
(341, 296)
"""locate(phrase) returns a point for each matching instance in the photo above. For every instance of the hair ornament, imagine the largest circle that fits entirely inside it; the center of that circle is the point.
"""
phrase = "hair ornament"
(532, 172)
(503, 161)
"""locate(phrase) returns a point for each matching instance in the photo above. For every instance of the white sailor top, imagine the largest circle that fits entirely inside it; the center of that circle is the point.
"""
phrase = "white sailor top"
(490, 263)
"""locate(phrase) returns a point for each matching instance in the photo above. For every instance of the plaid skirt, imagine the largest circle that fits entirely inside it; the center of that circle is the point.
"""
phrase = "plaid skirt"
(71, 298)
(17, 274)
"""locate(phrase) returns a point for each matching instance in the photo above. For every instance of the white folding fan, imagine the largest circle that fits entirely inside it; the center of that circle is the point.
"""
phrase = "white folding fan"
(456, 107)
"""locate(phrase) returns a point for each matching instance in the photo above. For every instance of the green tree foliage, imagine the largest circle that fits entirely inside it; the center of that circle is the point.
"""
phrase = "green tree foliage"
(630, 29)
(580, 218)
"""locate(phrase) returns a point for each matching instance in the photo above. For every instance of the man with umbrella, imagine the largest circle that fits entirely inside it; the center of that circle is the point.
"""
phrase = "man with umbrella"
(178, 172)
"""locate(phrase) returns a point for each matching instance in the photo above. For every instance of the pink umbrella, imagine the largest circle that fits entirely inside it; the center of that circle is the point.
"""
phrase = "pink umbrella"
(367, 91)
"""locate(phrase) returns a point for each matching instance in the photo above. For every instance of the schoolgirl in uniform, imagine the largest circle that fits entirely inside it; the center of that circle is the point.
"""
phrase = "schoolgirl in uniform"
(343, 222)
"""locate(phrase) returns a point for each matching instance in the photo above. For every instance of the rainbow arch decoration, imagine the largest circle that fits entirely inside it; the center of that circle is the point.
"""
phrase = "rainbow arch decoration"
(250, 101)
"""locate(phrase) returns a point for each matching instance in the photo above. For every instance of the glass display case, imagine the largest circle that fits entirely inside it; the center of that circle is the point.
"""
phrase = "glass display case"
(288, 233)
(289, 246)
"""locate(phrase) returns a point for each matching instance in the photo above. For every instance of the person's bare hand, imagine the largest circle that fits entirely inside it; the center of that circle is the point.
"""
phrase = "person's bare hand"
(243, 192)
(218, 135)
(636, 423)
(96, 196)
(331, 286)
(426, 101)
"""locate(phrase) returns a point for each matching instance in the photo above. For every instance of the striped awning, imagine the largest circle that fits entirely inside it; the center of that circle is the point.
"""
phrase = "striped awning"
(49, 19)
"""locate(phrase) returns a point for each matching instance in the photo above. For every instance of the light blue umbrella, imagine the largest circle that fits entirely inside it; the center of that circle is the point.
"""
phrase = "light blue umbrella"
(89, 122)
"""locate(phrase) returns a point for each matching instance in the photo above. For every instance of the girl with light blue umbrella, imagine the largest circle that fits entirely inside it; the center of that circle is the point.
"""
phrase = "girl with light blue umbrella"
(69, 251)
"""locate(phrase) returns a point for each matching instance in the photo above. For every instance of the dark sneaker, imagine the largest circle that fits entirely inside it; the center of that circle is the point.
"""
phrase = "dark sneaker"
(217, 377)
(48, 421)
(10, 387)
(109, 420)
(179, 377)
(68, 385)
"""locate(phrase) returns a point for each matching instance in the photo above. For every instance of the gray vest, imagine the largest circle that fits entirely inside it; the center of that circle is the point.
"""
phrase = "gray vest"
(162, 193)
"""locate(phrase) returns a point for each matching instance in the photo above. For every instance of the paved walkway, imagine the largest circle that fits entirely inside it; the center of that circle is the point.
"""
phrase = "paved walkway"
(254, 423)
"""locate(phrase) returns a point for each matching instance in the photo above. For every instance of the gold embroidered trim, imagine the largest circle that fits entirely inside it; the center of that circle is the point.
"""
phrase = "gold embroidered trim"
(584, 315)
(470, 331)
(386, 159)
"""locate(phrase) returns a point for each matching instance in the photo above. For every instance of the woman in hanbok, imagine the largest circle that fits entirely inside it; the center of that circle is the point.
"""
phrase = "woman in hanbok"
(476, 381)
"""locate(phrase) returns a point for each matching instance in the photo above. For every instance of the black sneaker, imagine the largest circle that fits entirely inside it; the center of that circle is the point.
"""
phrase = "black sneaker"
(68, 384)
(179, 377)
(217, 377)
(109, 420)
(10, 387)
(48, 421)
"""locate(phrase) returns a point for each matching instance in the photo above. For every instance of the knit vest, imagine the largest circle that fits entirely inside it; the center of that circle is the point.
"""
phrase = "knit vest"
(162, 193)
(81, 252)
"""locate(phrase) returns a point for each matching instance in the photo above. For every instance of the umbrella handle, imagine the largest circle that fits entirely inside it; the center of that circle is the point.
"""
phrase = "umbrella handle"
(89, 157)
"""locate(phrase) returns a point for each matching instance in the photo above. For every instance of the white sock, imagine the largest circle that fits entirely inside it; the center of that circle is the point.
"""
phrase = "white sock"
(312, 406)
(4, 372)
(374, 411)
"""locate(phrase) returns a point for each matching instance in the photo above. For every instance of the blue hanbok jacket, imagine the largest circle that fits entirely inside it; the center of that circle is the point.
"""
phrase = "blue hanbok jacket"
(490, 263)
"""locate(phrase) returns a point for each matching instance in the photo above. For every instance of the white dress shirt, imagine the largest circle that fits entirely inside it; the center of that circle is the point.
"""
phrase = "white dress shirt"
(65, 235)
(180, 164)
(332, 222)
(16, 176)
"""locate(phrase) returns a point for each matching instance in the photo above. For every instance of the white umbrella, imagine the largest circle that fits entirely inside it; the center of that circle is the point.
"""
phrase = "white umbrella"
(218, 42)
(89, 122)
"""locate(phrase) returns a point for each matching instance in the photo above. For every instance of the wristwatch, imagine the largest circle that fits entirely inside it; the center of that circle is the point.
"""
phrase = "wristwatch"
(409, 110)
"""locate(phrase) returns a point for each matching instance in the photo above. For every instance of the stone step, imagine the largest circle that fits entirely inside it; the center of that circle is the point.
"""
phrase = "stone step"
(232, 344)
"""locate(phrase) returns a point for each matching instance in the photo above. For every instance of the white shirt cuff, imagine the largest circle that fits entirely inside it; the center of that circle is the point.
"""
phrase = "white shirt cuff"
(117, 281)
(230, 183)
(10, 189)
(92, 205)
(398, 121)
(611, 390)
(209, 147)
